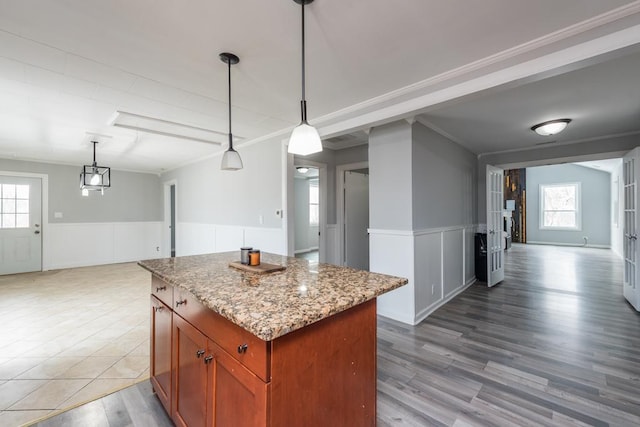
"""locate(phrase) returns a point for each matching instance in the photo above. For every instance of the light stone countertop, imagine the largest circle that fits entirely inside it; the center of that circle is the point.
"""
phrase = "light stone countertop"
(273, 304)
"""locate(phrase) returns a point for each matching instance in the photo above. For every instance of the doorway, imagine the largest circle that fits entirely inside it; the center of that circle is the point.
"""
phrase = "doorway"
(306, 187)
(353, 214)
(20, 224)
(170, 220)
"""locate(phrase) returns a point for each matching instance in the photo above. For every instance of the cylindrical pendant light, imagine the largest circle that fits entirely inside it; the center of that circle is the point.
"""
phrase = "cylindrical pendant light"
(304, 138)
(231, 160)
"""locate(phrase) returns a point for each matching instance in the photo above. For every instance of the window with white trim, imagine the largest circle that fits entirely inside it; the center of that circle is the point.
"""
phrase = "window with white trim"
(560, 206)
(14, 206)
(314, 202)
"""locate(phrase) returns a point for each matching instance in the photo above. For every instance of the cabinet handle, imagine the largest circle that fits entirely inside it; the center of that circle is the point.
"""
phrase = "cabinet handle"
(184, 301)
(242, 348)
(161, 288)
(199, 353)
(158, 308)
(208, 359)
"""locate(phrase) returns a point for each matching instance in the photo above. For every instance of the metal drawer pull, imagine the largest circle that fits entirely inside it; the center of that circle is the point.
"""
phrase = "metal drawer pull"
(199, 353)
(208, 359)
(242, 348)
(158, 308)
(184, 301)
(161, 288)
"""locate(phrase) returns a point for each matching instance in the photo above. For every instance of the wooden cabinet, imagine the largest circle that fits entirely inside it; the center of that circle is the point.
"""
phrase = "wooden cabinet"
(160, 366)
(237, 397)
(222, 375)
(190, 374)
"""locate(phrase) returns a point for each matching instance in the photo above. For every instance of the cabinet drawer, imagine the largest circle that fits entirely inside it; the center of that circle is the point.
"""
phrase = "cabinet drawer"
(161, 290)
(243, 346)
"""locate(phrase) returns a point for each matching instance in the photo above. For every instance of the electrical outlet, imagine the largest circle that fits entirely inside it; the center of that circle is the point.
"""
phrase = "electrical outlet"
(433, 289)
(261, 219)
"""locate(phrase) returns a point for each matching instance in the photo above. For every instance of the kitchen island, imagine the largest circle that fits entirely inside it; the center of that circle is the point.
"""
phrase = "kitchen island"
(290, 348)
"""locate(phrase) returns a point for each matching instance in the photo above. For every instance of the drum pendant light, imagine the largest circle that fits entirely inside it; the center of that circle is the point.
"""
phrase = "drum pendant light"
(304, 138)
(231, 160)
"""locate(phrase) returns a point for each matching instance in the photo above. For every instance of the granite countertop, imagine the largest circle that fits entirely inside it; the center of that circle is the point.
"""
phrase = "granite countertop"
(273, 304)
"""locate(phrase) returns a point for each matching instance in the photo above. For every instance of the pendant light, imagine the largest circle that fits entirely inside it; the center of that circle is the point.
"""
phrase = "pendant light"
(304, 138)
(94, 177)
(231, 160)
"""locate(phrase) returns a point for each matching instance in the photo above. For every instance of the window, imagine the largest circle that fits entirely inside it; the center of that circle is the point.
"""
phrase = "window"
(314, 202)
(14, 206)
(560, 206)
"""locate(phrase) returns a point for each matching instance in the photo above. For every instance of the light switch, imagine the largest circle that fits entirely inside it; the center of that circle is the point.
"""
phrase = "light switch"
(57, 215)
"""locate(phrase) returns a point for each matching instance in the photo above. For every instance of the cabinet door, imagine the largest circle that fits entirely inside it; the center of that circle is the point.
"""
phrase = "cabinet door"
(190, 374)
(161, 329)
(237, 397)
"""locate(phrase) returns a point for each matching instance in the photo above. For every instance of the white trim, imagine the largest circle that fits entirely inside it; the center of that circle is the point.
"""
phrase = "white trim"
(423, 231)
(424, 313)
(45, 261)
(340, 171)
(578, 209)
(577, 245)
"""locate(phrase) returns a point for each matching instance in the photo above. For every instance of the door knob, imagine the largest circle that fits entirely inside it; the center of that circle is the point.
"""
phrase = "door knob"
(36, 232)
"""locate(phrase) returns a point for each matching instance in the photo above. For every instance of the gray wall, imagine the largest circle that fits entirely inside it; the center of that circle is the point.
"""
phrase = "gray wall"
(444, 181)
(132, 196)
(595, 204)
(208, 195)
(390, 177)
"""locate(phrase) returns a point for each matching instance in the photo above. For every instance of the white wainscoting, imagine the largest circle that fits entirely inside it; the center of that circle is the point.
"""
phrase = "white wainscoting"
(196, 238)
(82, 244)
(391, 252)
(438, 262)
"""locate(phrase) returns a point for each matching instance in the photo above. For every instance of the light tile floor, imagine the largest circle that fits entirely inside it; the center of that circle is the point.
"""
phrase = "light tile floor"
(70, 336)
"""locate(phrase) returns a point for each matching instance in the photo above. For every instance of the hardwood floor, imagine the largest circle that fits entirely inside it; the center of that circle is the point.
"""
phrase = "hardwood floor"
(554, 344)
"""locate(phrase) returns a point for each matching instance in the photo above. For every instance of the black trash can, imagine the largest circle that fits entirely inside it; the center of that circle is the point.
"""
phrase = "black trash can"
(481, 256)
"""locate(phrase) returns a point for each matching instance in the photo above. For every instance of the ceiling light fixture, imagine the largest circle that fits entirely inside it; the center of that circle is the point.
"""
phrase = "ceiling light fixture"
(551, 127)
(302, 169)
(94, 177)
(231, 160)
(304, 138)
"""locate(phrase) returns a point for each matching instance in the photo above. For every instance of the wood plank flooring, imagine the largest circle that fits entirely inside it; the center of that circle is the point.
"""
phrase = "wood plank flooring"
(555, 344)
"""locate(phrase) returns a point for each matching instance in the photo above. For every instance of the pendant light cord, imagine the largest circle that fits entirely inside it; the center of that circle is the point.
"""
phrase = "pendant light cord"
(94, 153)
(230, 135)
(303, 102)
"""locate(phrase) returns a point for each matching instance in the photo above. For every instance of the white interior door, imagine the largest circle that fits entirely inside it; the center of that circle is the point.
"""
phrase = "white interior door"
(20, 224)
(356, 220)
(495, 249)
(630, 243)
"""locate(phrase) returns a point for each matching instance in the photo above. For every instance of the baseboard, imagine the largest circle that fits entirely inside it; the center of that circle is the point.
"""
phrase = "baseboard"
(304, 251)
(423, 314)
(575, 245)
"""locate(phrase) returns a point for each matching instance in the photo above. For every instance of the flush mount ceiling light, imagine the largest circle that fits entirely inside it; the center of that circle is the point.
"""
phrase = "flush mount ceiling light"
(302, 169)
(551, 127)
(231, 160)
(146, 124)
(94, 177)
(304, 138)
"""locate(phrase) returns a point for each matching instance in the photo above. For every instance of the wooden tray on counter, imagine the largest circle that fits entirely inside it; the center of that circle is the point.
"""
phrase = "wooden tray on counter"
(262, 268)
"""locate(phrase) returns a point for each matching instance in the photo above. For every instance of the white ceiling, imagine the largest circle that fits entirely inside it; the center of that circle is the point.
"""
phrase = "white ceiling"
(67, 66)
